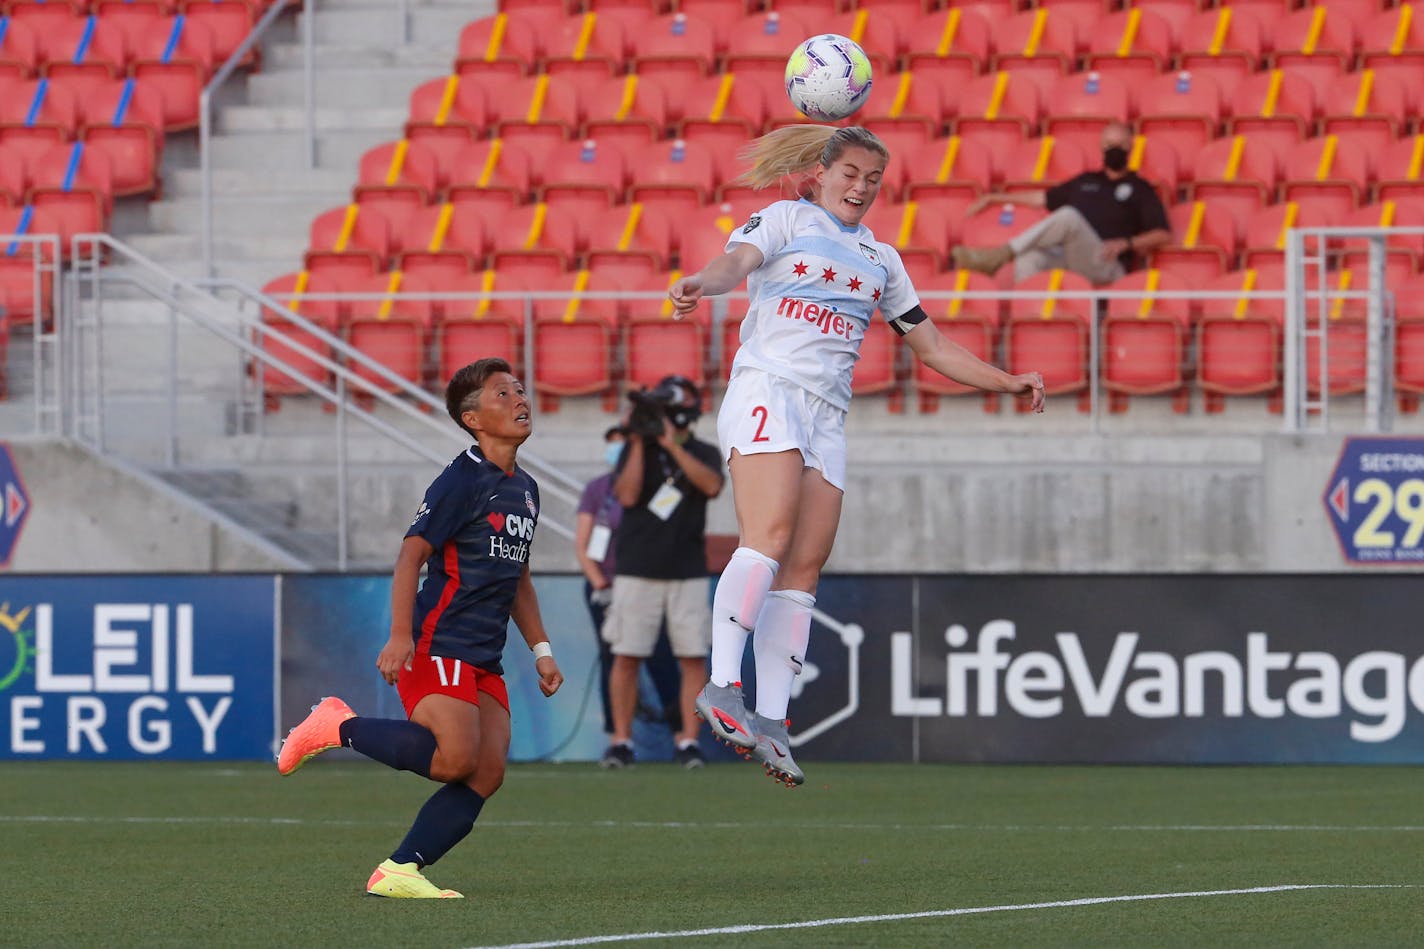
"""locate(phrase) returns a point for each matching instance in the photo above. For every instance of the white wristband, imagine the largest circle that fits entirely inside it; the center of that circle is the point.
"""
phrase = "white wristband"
(542, 650)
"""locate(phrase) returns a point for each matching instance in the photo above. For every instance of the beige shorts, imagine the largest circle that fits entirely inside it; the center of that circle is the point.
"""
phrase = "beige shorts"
(636, 616)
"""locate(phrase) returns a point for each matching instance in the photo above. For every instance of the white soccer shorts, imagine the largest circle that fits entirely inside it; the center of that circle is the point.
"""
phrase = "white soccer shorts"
(762, 413)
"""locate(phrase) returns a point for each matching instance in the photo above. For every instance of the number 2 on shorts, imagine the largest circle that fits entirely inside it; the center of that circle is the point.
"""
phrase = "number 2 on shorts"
(760, 411)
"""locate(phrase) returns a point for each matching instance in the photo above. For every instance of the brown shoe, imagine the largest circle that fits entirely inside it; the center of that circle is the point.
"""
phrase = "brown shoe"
(986, 260)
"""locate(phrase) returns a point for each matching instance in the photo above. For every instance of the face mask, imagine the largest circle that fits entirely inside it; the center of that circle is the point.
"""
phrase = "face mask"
(1115, 158)
(612, 452)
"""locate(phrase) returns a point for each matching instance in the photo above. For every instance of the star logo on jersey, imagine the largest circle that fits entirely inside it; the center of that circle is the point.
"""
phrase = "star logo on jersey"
(752, 224)
(876, 295)
(496, 520)
(854, 284)
(529, 503)
(799, 269)
(828, 275)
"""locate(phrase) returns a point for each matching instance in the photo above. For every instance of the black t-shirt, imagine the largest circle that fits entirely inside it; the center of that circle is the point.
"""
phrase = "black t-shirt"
(1123, 208)
(672, 549)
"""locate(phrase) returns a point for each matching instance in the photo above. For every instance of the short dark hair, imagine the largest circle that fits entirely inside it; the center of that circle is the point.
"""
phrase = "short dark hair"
(620, 430)
(463, 393)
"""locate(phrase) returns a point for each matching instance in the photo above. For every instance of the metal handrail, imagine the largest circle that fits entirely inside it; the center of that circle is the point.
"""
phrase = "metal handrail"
(205, 111)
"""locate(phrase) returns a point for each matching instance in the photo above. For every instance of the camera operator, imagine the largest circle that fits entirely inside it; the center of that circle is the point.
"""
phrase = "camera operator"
(664, 480)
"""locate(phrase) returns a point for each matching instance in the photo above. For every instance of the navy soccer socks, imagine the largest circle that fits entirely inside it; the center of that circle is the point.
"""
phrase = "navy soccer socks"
(445, 820)
(405, 746)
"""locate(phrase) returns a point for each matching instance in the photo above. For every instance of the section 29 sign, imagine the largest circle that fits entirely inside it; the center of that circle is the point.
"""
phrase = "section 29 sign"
(137, 667)
(1375, 500)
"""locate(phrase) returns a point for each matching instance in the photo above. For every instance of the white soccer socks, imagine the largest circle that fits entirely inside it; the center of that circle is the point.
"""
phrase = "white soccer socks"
(736, 604)
(783, 630)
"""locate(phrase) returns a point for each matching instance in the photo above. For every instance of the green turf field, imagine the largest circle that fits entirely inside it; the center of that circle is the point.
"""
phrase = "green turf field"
(201, 855)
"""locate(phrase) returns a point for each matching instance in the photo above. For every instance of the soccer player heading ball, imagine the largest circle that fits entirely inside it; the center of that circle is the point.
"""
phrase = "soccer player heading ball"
(472, 532)
(816, 277)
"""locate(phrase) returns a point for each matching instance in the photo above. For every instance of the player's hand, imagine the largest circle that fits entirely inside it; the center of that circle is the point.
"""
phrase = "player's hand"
(685, 294)
(396, 655)
(550, 678)
(1031, 384)
(669, 436)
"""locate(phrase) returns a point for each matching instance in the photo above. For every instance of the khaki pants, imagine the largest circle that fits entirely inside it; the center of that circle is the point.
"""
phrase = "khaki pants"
(1064, 240)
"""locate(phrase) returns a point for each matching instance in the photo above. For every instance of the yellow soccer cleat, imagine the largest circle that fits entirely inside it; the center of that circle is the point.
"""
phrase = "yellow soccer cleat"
(404, 881)
(320, 731)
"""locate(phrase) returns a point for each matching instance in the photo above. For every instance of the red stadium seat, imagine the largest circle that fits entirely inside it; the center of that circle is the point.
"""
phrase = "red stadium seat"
(1144, 341)
(588, 174)
(948, 47)
(1239, 340)
(761, 42)
(948, 166)
(473, 329)
(702, 238)
(72, 185)
(536, 243)
(1265, 238)
(442, 244)
(676, 43)
(721, 110)
(503, 44)
(1051, 335)
(924, 230)
(19, 51)
(1181, 109)
(535, 111)
(1276, 108)
(401, 165)
(994, 226)
(1400, 169)
(229, 22)
(1409, 343)
(1158, 163)
(880, 369)
(1040, 163)
(176, 60)
(445, 116)
(1236, 172)
(575, 342)
(1403, 253)
(587, 46)
(656, 342)
(14, 176)
(999, 110)
(1082, 105)
(26, 267)
(676, 174)
(349, 241)
(908, 100)
(44, 15)
(1329, 168)
(40, 110)
(1317, 40)
(492, 167)
(1038, 43)
(972, 323)
(1335, 350)
(1133, 45)
(391, 329)
(124, 122)
(83, 47)
(629, 111)
(1225, 43)
(1369, 108)
(1208, 239)
(291, 290)
(1392, 42)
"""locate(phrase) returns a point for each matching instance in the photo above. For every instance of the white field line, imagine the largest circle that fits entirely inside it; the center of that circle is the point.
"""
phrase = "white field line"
(727, 825)
(939, 913)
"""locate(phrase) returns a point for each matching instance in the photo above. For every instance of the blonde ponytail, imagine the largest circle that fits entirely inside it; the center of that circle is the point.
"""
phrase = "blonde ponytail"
(794, 150)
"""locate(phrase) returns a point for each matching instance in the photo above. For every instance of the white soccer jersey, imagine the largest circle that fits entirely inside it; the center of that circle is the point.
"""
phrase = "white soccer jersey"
(814, 296)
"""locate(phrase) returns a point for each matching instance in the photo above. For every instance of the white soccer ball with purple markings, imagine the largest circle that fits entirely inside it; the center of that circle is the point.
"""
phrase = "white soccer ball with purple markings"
(828, 77)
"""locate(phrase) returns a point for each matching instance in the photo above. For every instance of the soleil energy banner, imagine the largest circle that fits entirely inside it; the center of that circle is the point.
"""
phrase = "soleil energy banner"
(137, 667)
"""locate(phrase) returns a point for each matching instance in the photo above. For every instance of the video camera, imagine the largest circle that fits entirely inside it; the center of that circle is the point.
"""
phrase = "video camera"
(675, 398)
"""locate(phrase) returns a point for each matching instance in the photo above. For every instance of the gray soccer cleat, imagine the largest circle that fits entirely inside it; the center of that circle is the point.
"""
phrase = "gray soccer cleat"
(722, 708)
(773, 750)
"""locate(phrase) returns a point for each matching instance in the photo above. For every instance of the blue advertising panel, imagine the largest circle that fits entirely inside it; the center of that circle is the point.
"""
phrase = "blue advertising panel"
(129, 667)
(14, 505)
(1375, 500)
(334, 626)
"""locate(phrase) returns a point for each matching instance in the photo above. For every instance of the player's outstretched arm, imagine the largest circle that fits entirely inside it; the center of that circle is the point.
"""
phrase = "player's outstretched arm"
(719, 276)
(525, 613)
(396, 654)
(953, 361)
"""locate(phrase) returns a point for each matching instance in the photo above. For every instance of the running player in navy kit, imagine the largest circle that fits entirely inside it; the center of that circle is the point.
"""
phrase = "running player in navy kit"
(472, 532)
(815, 275)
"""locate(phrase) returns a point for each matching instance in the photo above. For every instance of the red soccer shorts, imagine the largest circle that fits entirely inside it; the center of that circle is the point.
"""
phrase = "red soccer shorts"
(441, 675)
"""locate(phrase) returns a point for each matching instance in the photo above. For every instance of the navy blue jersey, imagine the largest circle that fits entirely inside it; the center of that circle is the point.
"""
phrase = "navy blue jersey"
(480, 522)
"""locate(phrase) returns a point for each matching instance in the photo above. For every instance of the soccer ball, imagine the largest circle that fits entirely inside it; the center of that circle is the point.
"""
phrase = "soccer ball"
(828, 77)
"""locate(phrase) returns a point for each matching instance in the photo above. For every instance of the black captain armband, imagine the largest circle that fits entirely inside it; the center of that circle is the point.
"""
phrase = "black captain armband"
(905, 322)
